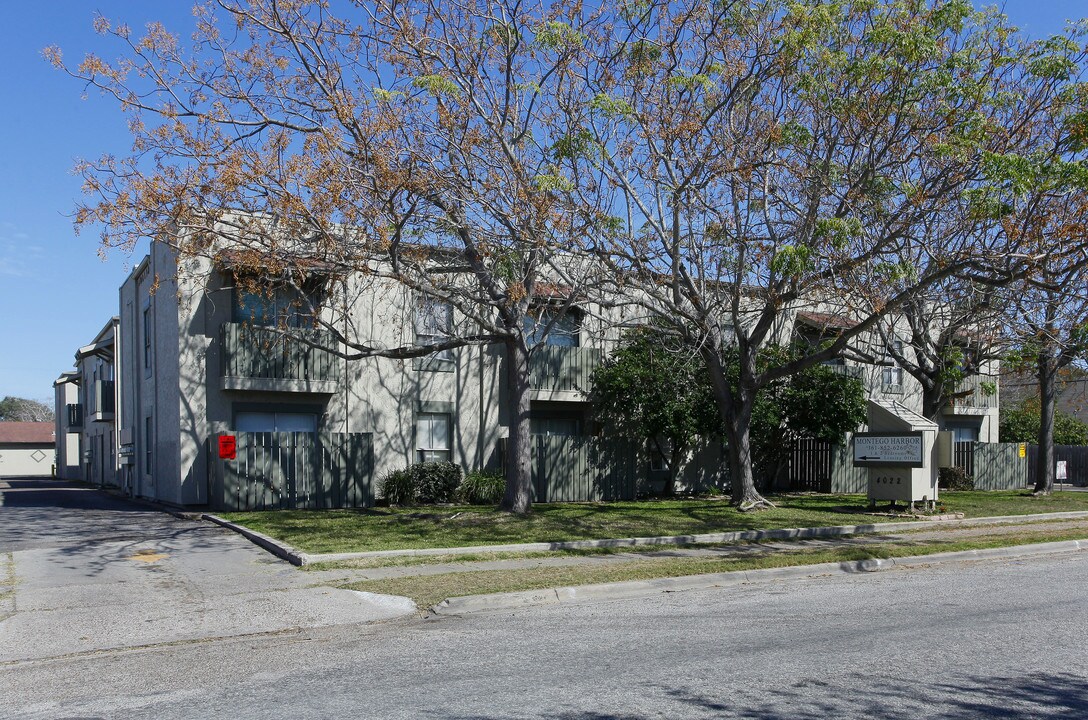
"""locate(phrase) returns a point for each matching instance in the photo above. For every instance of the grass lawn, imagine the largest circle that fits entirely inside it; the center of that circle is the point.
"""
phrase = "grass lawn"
(327, 531)
(428, 590)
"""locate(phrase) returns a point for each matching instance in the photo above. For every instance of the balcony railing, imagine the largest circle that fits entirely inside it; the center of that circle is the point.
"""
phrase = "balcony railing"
(562, 369)
(75, 415)
(255, 353)
(854, 371)
(103, 407)
(974, 393)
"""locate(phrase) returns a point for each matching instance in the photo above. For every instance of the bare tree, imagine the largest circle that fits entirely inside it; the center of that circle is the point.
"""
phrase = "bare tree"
(412, 142)
(16, 409)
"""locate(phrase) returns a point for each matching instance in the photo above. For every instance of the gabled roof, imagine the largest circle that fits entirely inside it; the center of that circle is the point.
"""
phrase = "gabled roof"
(26, 433)
(825, 321)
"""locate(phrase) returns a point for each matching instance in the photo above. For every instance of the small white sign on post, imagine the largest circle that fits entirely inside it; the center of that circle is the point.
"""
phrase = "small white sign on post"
(884, 449)
(1061, 472)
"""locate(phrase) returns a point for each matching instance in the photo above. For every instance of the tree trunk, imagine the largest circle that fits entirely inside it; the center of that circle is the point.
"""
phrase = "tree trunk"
(1044, 463)
(676, 464)
(933, 399)
(736, 411)
(518, 497)
(742, 482)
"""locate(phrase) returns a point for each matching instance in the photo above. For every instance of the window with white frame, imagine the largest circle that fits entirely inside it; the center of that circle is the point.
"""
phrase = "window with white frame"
(434, 324)
(433, 437)
(275, 421)
(892, 376)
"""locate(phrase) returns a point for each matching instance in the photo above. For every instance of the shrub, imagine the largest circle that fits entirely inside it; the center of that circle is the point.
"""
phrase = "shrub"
(482, 487)
(398, 488)
(954, 478)
(435, 482)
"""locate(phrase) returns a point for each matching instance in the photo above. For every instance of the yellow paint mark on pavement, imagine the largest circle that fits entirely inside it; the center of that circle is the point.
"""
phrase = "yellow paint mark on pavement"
(148, 556)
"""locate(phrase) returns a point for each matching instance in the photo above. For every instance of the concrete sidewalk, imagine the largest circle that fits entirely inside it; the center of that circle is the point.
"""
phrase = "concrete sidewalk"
(81, 571)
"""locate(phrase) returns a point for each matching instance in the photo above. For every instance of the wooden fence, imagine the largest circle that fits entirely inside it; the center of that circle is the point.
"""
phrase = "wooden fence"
(295, 471)
(1076, 463)
(819, 466)
(998, 466)
(582, 468)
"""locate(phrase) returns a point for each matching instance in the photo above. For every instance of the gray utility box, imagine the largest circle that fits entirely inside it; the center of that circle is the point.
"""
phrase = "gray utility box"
(900, 452)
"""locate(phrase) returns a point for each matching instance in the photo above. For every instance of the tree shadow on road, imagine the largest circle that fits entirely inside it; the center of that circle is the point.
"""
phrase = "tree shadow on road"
(1033, 695)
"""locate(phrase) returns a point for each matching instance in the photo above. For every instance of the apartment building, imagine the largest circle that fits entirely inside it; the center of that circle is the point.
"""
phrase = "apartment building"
(196, 354)
(86, 429)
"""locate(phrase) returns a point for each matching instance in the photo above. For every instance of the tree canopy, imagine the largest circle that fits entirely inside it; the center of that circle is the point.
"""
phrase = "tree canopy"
(716, 165)
(16, 409)
(1021, 424)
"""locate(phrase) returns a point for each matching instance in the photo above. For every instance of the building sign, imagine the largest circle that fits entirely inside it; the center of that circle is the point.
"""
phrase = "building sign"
(228, 447)
(1023, 450)
(884, 449)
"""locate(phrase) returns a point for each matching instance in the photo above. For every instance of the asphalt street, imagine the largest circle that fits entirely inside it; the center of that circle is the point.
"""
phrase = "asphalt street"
(81, 571)
(996, 639)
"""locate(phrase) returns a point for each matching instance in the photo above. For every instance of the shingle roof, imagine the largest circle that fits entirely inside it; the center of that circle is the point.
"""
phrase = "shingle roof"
(26, 433)
(825, 321)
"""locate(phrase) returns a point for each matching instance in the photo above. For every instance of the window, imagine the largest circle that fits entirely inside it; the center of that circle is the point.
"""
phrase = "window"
(273, 306)
(147, 338)
(272, 421)
(964, 433)
(892, 376)
(564, 328)
(433, 437)
(555, 426)
(434, 324)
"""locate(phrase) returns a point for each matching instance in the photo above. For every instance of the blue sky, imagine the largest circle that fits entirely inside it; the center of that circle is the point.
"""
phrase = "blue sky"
(56, 292)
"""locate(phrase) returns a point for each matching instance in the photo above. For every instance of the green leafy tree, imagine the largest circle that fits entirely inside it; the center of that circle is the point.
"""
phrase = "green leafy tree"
(1021, 424)
(654, 390)
(771, 154)
(817, 402)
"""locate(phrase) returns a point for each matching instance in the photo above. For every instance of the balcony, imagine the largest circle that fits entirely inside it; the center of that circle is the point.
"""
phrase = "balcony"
(102, 407)
(562, 373)
(263, 359)
(855, 371)
(974, 395)
(75, 416)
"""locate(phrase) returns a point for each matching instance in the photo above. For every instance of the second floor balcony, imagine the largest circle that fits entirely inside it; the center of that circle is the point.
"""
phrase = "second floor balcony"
(974, 395)
(102, 403)
(74, 412)
(562, 373)
(268, 359)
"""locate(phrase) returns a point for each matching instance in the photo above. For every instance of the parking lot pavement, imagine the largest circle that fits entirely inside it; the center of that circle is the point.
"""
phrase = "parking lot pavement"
(89, 571)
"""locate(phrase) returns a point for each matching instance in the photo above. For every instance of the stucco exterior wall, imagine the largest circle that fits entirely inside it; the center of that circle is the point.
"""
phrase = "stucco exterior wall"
(23, 460)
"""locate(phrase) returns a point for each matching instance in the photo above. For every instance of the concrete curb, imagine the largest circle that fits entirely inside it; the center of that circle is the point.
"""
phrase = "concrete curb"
(643, 588)
(780, 534)
(279, 549)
